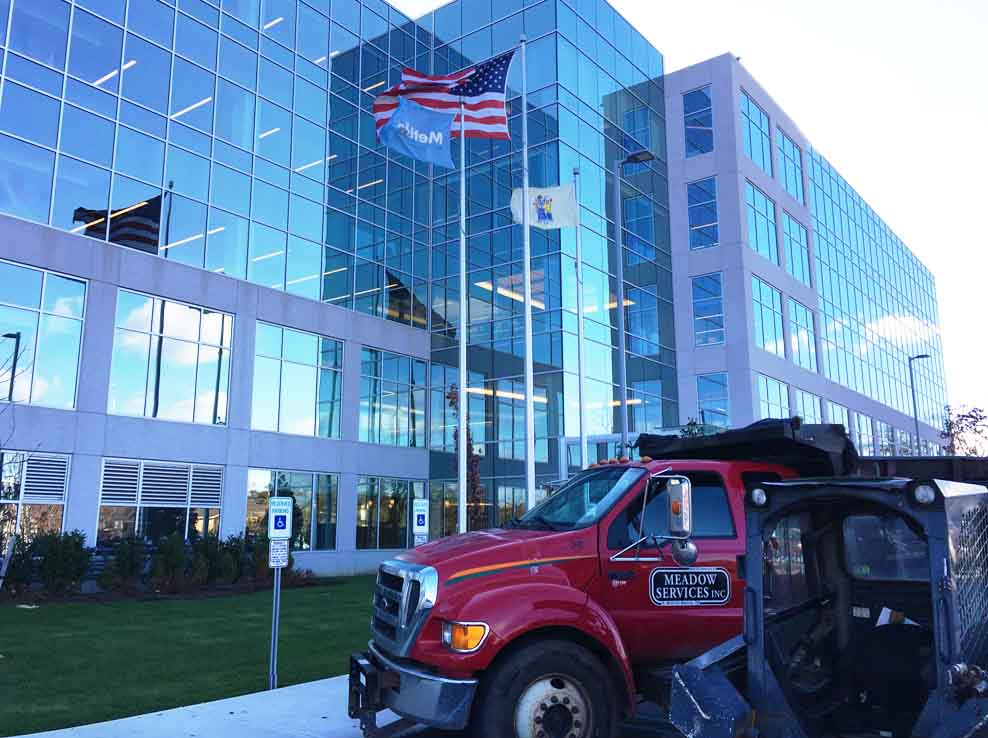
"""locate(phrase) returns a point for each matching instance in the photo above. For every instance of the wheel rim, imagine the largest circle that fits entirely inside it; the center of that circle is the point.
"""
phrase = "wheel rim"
(553, 706)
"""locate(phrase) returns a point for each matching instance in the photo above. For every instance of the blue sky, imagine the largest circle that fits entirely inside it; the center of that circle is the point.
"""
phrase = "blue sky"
(894, 94)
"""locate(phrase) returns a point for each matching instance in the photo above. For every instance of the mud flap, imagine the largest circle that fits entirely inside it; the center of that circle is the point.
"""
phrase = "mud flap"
(704, 704)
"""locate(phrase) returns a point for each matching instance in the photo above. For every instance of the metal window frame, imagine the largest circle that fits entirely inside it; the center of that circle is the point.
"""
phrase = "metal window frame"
(19, 502)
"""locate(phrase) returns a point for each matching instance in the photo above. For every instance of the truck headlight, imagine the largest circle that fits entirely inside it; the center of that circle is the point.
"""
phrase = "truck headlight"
(925, 494)
(464, 637)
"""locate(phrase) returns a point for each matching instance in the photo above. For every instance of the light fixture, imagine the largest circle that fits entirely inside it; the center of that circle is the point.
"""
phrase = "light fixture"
(334, 271)
(271, 255)
(464, 637)
(370, 184)
(182, 241)
(269, 132)
(128, 209)
(84, 226)
(271, 24)
(639, 157)
(320, 60)
(193, 106)
(302, 279)
(759, 497)
(214, 231)
(111, 74)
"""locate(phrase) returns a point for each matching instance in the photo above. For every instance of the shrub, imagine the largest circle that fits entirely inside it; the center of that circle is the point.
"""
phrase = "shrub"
(126, 567)
(168, 565)
(206, 552)
(20, 571)
(64, 560)
(239, 557)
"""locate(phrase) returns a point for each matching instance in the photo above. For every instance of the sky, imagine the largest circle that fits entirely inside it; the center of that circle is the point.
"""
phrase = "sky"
(893, 93)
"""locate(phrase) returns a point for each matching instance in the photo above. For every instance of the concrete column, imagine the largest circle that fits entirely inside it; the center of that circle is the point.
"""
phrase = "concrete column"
(346, 513)
(350, 420)
(82, 502)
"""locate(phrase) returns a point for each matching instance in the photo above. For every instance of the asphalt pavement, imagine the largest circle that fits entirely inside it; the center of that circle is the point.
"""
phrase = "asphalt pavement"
(310, 710)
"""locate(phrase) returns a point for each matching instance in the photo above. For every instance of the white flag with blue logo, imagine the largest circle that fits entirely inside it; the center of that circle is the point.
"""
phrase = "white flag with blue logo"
(548, 207)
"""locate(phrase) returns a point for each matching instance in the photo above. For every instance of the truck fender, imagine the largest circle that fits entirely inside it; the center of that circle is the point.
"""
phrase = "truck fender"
(564, 608)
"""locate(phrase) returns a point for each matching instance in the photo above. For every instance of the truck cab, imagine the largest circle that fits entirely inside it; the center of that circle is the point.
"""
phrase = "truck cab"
(558, 623)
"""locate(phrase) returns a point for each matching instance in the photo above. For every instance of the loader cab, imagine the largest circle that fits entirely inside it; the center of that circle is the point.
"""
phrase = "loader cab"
(862, 596)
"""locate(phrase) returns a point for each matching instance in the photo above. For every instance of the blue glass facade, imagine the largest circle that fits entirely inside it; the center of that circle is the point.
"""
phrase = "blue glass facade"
(878, 302)
(236, 136)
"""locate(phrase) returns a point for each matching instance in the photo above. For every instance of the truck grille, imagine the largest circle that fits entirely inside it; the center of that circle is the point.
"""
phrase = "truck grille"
(971, 572)
(399, 610)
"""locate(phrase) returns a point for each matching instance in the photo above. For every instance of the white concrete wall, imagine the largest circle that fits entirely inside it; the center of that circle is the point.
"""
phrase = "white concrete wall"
(89, 434)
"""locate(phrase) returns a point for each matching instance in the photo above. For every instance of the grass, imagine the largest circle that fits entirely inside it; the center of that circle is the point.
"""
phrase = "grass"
(67, 664)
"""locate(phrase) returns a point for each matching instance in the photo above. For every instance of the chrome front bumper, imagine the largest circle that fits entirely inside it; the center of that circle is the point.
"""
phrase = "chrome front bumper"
(378, 682)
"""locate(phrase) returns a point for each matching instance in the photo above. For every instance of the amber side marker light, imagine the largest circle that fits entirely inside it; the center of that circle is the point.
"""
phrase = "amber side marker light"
(677, 507)
(464, 637)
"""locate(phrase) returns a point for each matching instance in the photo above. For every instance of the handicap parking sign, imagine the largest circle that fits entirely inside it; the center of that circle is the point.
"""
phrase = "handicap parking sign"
(280, 518)
(420, 520)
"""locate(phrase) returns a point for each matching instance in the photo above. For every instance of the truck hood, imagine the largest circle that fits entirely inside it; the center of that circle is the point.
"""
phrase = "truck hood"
(500, 551)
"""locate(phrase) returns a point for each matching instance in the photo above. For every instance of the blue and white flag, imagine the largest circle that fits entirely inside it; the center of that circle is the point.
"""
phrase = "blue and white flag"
(420, 133)
(548, 207)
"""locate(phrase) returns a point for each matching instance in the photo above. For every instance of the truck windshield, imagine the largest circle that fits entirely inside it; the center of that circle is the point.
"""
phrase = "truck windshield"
(582, 500)
(884, 548)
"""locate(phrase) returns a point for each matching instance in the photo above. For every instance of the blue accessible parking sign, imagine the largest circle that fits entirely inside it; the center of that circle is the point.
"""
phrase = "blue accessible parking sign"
(280, 518)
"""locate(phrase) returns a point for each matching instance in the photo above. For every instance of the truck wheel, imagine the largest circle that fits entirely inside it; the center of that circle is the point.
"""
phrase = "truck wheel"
(551, 689)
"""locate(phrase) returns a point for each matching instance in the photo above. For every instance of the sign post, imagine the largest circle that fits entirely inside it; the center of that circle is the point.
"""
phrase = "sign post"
(279, 534)
(420, 521)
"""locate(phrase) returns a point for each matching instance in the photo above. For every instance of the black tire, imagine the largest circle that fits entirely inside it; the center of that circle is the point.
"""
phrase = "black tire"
(552, 669)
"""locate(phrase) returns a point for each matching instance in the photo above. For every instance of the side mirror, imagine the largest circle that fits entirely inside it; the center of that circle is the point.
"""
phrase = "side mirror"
(680, 507)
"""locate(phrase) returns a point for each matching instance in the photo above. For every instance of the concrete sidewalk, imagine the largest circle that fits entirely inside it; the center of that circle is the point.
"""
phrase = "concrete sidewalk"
(309, 710)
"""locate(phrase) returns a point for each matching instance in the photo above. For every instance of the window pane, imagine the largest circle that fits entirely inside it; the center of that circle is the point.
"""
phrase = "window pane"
(25, 179)
(234, 114)
(174, 375)
(146, 81)
(139, 155)
(367, 513)
(259, 486)
(160, 522)
(95, 55)
(20, 285)
(129, 372)
(211, 385)
(192, 96)
(298, 399)
(39, 29)
(82, 194)
(184, 237)
(38, 519)
(326, 511)
(267, 384)
(64, 296)
(300, 489)
(226, 244)
(17, 353)
(57, 362)
(394, 513)
(87, 136)
(114, 524)
(195, 41)
(29, 114)
(152, 19)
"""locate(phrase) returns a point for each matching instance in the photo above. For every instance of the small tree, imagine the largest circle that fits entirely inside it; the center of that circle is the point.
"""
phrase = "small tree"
(965, 431)
(64, 560)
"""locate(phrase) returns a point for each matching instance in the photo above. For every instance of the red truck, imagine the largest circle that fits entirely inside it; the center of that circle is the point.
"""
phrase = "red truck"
(557, 624)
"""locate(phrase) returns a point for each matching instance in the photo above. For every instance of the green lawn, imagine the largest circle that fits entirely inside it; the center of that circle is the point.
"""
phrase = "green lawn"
(67, 664)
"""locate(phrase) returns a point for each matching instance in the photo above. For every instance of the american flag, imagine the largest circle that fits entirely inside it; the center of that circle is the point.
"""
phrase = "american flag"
(481, 88)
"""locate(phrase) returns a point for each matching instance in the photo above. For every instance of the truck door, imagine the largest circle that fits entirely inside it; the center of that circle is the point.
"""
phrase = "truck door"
(666, 612)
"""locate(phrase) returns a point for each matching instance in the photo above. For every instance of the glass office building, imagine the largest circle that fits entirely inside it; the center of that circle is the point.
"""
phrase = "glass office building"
(804, 299)
(234, 271)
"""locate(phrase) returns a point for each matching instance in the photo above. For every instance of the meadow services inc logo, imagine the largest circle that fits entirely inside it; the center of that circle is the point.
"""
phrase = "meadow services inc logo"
(689, 586)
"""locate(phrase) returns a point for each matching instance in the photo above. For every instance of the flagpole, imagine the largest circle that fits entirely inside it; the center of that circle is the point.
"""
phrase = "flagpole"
(461, 397)
(527, 278)
(580, 356)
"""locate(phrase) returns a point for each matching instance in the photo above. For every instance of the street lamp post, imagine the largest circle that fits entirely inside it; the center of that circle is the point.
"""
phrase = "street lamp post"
(16, 335)
(912, 386)
(637, 157)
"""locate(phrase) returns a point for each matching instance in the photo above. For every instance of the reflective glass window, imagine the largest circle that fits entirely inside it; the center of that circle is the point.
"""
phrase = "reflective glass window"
(192, 95)
(152, 19)
(244, 10)
(392, 399)
(760, 212)
(713, 403)
(82, 194)
(794, 242)
(29, 114)
(231, 190)
(314, 509)
(18, 516)
(146, 81)
(95, 51)
(864, 435)
(139, 155)
(702, 213)
(773, 398)
(41, 320)
(790, 165)
(238, 63)
(698, 122)
(756, 134)
(39, 30)
(183, 230)
(87, 136)
(298, 382)
(802, 336)
(278, 20)
(708, 310)
(195, 41)
(25, 178)
(766, 310)
(187, 173)
(383, 506)
(838, 415)
(808, 407)
(170, 360)
(226, 244)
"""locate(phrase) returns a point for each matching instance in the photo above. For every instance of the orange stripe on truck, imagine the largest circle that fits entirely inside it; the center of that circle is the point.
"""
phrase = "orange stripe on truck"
(481, 571)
